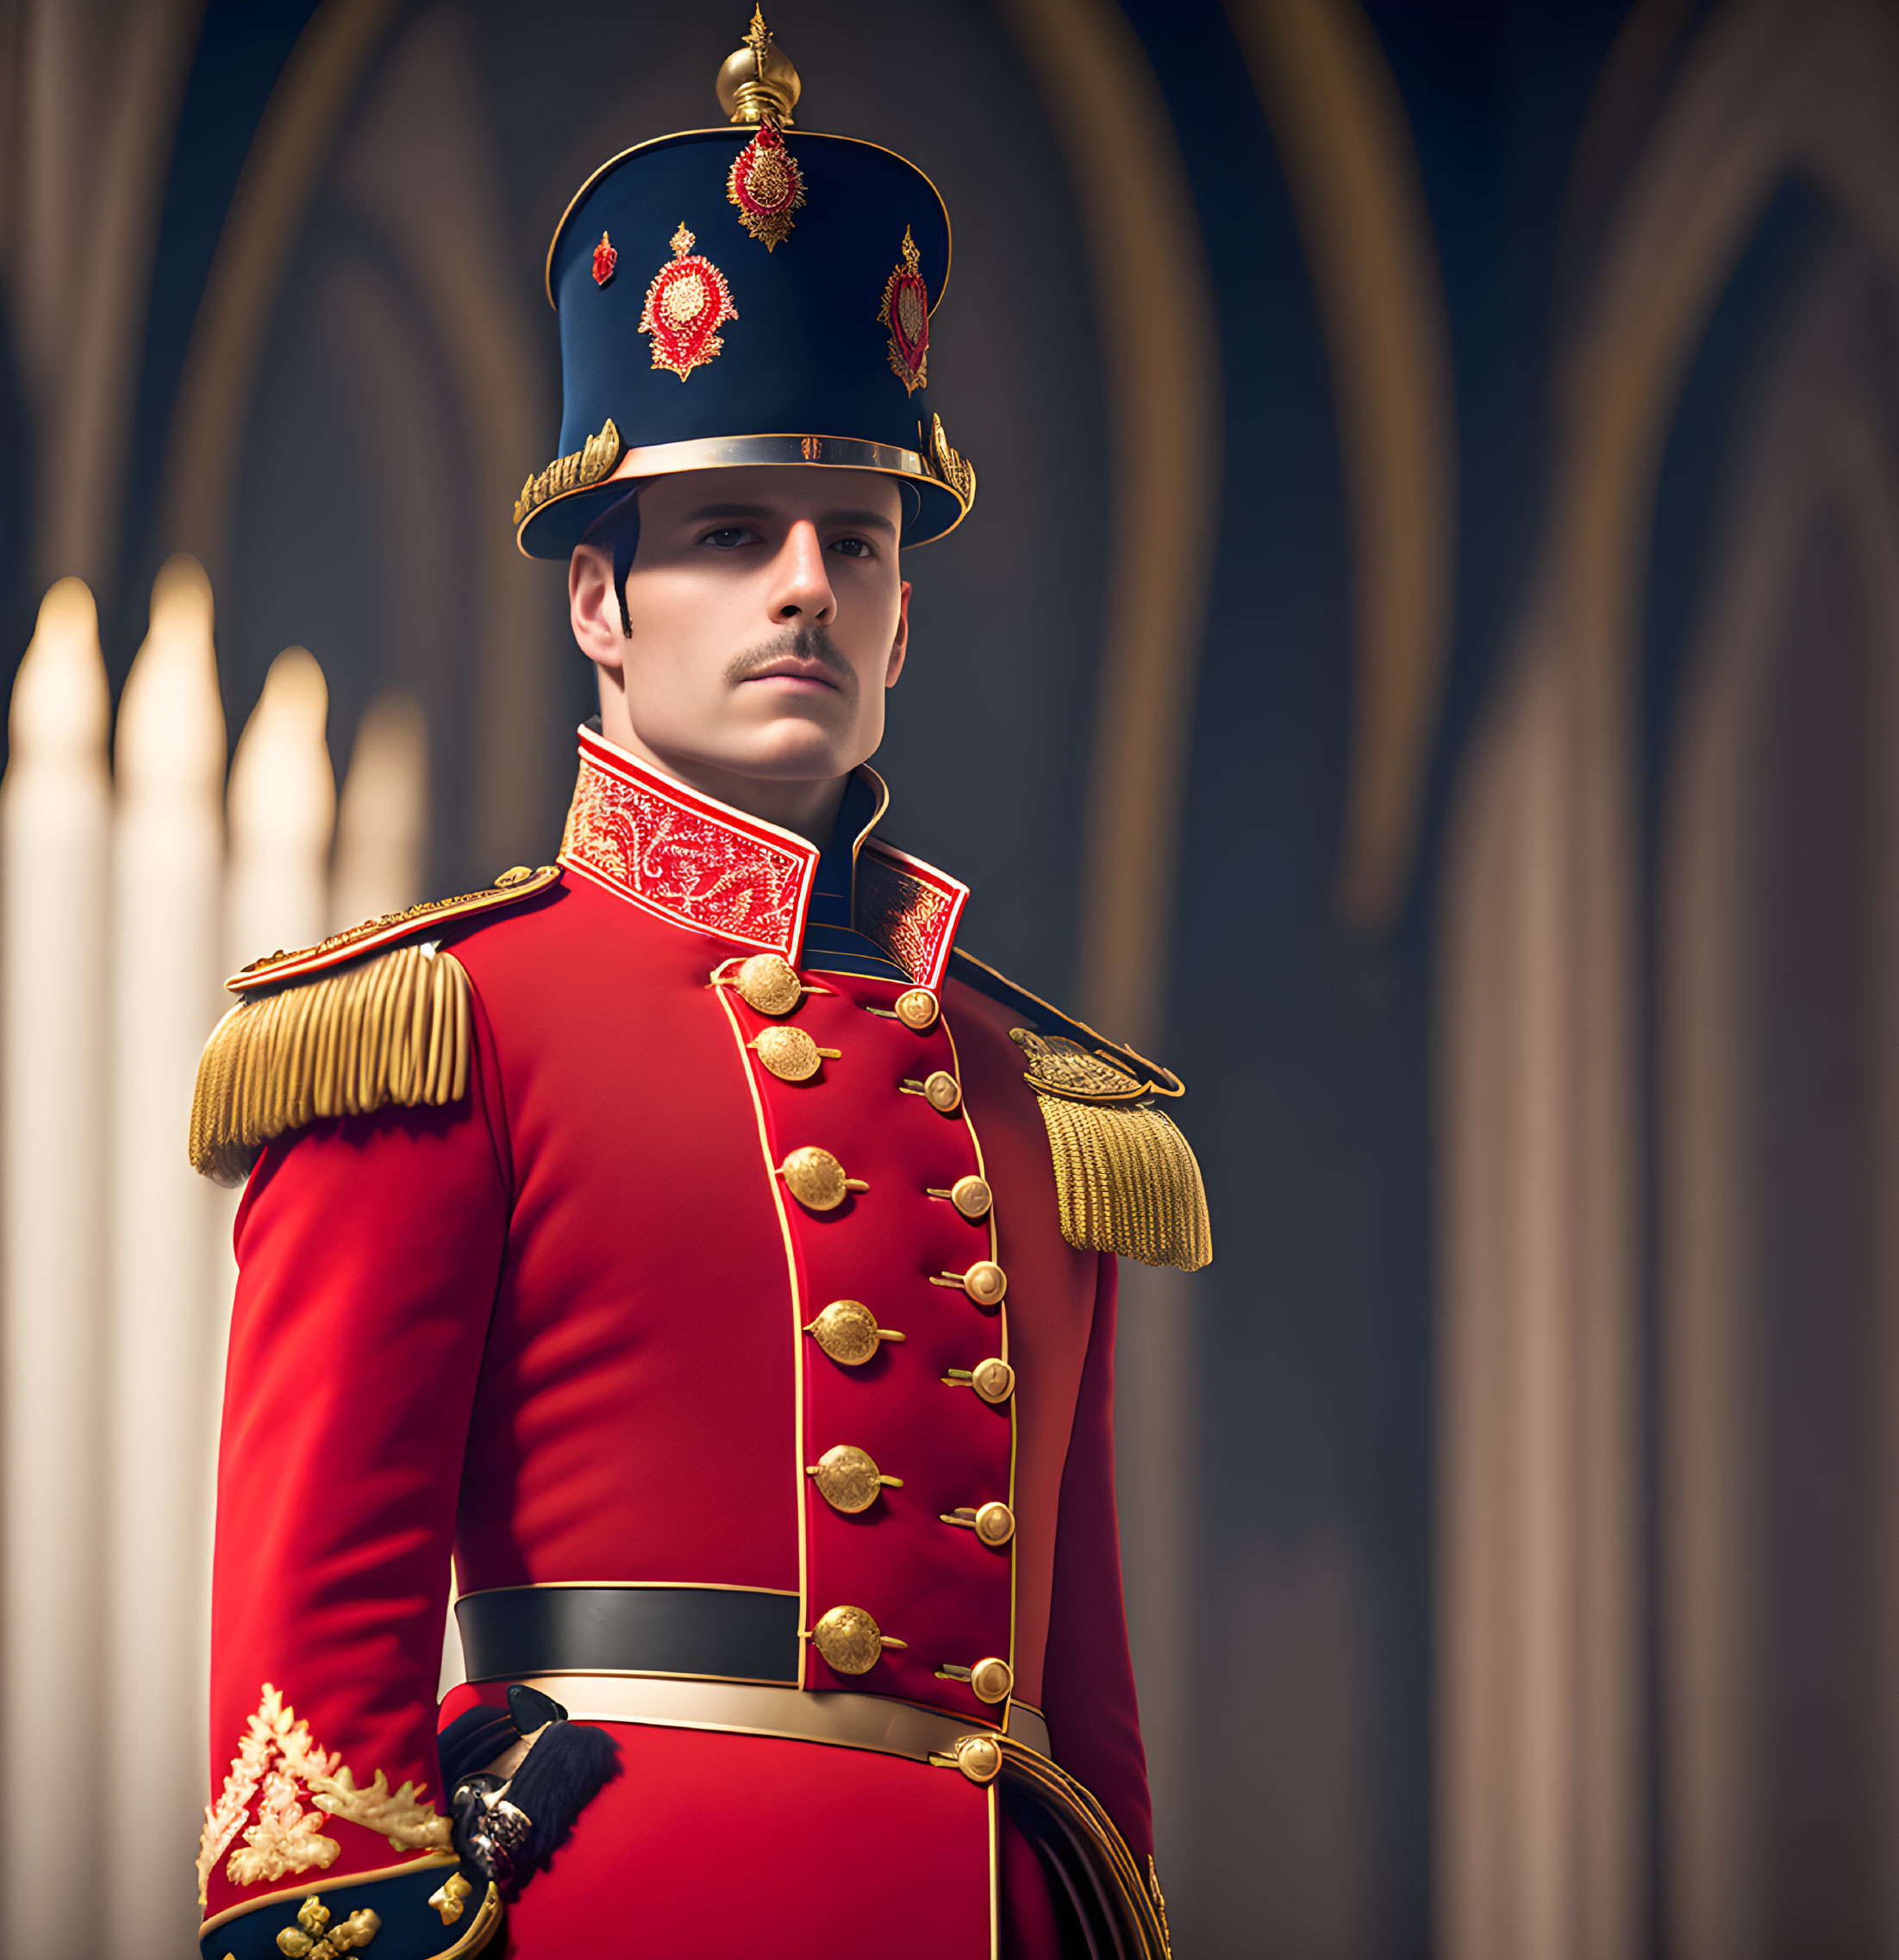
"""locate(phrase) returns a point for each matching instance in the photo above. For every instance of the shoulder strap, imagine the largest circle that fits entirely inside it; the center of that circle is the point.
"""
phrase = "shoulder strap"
(511, 888)
(1152, 1079)
(1127, 1181)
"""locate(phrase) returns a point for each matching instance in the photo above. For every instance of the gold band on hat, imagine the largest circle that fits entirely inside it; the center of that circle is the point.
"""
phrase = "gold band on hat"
(570, 475)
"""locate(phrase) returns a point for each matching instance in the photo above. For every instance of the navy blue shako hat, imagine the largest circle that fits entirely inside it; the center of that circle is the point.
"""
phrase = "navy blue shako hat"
(746, 294)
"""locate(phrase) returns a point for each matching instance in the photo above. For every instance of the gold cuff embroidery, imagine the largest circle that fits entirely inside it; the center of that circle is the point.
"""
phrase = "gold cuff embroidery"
(313, 1937)
(450, 1898)
(399, 1815)
(279, 1762)
(273, 1733)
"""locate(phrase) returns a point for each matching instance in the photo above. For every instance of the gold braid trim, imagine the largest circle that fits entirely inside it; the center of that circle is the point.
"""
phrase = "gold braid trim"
(1138, 1919)
(1126, 1180)
(393, 1029)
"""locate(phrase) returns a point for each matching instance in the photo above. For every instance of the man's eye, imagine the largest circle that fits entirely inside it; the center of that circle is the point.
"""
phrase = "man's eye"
(726, 540)
(851, 547)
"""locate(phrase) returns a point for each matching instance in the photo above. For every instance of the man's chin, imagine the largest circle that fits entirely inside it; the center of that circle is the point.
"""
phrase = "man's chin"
(775, 758)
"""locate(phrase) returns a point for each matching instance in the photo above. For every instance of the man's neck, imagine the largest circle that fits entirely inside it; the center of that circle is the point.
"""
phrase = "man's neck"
(808, 808)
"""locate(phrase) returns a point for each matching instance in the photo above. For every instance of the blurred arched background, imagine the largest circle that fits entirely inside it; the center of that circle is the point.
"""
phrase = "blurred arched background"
(1426, 658)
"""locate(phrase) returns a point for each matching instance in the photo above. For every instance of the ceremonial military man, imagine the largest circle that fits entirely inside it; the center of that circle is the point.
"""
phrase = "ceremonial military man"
(688, 1238)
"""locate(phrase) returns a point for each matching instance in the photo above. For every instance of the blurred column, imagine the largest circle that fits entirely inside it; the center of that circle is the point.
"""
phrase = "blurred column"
(168, 852)
(1538, 1694)
(383, 820)
(54, 826)
(1870, 468)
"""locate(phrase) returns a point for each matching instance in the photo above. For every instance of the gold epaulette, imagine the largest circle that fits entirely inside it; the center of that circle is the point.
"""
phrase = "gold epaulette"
(1127, 1181)
(364, 1020)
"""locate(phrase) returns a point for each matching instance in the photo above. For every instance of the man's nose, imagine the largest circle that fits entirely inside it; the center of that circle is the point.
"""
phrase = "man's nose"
(803, 594)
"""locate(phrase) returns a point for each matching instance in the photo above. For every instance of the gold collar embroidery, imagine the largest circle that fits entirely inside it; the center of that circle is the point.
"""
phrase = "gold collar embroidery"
(700, 864)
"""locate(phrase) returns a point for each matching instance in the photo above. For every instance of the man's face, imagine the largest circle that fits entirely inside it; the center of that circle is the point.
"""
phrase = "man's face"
(768, 619)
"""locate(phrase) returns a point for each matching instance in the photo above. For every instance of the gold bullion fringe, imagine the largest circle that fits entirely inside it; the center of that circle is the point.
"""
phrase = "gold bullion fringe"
(394, 1029)
(1127, 1182)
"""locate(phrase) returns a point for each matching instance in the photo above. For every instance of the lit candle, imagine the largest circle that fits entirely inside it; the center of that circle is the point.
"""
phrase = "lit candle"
(54, 816)
(164, 1358)
(384, 815)
(282, 807)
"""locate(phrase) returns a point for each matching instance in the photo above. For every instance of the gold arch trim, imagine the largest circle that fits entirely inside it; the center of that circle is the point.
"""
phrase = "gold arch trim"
(1344, 145)
(261, 231)
(1153, 300)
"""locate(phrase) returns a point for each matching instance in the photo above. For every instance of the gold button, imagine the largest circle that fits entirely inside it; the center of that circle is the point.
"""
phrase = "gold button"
(850, 1639)
(943, 1091)
(847, 1330)
(972, 1197)
(995, 1524)
(816, 1179)
(917, 1009)
(992, 1680)
(979, 1757)
(994, 1380)
(766, 983)
(985, 1282)
(848, 1479)
(790, 1053)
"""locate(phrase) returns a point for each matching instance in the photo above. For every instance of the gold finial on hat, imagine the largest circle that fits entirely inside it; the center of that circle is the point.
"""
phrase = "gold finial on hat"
(757, 83)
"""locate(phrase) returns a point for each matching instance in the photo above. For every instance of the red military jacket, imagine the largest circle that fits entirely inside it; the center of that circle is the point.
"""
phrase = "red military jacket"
(553, 1303)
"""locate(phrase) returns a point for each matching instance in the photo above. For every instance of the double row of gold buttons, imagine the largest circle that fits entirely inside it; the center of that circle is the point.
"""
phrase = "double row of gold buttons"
(847, 1478)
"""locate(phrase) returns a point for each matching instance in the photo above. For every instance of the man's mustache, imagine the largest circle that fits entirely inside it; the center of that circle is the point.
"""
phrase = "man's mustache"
(812, 644)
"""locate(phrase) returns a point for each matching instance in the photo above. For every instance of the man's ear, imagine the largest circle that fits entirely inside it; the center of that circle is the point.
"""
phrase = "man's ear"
(593, 606)
(900, 645)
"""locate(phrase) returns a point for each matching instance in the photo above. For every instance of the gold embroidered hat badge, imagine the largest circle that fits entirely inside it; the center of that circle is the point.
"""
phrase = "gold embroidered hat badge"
(767, 186)
(905, 312)
(686, 304)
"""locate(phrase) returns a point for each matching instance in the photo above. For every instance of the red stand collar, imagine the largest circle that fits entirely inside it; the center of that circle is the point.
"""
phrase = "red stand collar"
(699, 863)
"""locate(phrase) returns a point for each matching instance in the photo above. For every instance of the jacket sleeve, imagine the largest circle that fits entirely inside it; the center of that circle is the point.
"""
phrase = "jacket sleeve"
(369, 1251)
(1088, 1688)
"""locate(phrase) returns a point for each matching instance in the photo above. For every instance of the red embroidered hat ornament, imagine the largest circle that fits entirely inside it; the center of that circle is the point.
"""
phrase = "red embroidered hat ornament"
(604, 259)
(686, 304)
(767, 186)
(905, 312)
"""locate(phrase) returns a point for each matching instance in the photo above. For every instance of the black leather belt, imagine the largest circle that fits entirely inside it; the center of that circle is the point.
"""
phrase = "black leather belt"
(714, 1632)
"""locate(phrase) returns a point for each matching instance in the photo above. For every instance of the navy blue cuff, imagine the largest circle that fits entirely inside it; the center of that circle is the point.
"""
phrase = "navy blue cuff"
(409, 1927)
